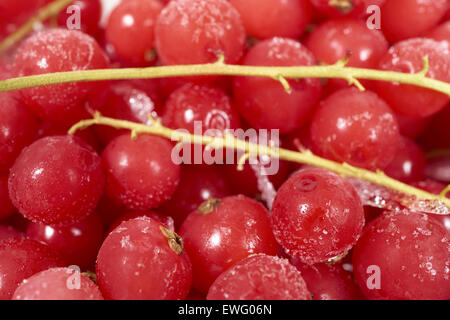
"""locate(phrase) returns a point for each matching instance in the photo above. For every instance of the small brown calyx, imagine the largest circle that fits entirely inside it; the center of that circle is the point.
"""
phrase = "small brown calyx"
(344, 6)
(209, 205)
(174, 240)
(91, 275)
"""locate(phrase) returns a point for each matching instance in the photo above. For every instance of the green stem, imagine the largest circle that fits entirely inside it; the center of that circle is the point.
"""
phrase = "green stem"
(229, 141)
(219, 68)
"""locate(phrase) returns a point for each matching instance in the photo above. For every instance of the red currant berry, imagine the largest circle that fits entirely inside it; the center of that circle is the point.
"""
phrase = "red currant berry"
(198, 31)
(274, 18)
(8, 232)
(441, 33)
(77, 244)
(126, 102)
(407, 56)
(328, 282)
(56, 180)
(197, 184)
(264, 103)
(57, 50)
(334, 39)
(409, 162)
(18, 128)
(412, 127)
(90, 12)
(136, 19)
(403, 255)
(140, 172)
(402, 19)
(20, 259)
(317, 216)
(260, 277)
(6, 207)
(355, 127)
(53, 284)
(222, 232)
(437, 135)
(141, 259)
(209, 105)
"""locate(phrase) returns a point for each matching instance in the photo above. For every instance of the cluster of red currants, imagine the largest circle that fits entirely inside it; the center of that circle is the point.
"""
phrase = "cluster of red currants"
(151, 229)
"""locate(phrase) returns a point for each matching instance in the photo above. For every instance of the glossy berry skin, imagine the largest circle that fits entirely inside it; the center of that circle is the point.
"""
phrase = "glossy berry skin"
(164, 220)
(7, 232)
(90, 13)
(260, 277)
(411, 251)
(402, 19)
(341, 8)
(197, 31)
(412, 127)
(409, 162)
(274, 18)
(6, 207)
(334, 39)
(328, 281)
(58, 50)
(222, 232)
(441, 33)
(140, 173)
(52, 284)
(437, 135)
(135, 262)
(20, 259)
(355, 127)
(77, 244)
(407, 56)
(131, 30)
(197, 184)
(263, 102)
(126, 101)
(57, 180)
(205, 103)
(18, 128)
(317, 216)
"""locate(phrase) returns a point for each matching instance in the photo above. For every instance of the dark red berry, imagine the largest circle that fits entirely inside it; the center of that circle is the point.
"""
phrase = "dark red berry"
(131, 30)
(19, 260)
(263, 102)
(142, 260)
(140, 172)
(260, 277)
(355, 127)
(222, 232)
(77, 244)
(57, 50)
(52, 284)
(56, 180)
(408, 252)
(317, 216)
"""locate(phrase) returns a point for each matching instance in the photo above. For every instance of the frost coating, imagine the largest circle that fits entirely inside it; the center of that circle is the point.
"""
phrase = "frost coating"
(260, 277)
